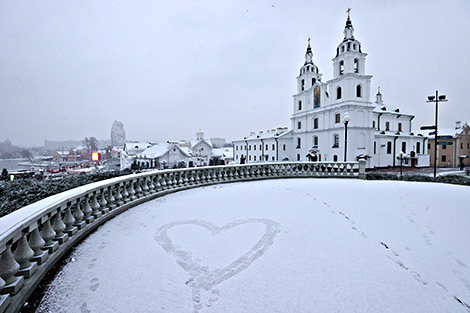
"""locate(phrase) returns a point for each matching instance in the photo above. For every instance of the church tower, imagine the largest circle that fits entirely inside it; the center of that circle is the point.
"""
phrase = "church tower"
(349, 80)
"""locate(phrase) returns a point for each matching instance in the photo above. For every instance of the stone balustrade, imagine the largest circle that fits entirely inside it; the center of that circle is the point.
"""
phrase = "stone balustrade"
(35, 237)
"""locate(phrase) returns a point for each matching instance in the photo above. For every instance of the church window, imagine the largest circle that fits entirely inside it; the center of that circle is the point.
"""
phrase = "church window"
(298, 157)
(403, 147)
(389, 147)
(299, 142)
(303, 84)
(359, 91)
(354, 46)
(273, 159)
(387, 126)
(399, 127)
(338, 93)
(254, 147)
(341, 67)
(375, 147)
(249, 157)
(313, 81)
(418, 147)
(373, 124)
(300, 105)
(349, 46)
(342, 49)
(284, 147)
(254, 158)
(315, 123)
(315, 140)
(356, 66)
(261, 147)
(273, 147)
(308, 69)
(337, 118)
(335, 141)
(266, 147)
(299, 125)
(249, 147)
(335, 158)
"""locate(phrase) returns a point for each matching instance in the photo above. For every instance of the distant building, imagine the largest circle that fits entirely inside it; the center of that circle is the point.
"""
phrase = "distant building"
(118, 134)
(5, 146)
(451, 155)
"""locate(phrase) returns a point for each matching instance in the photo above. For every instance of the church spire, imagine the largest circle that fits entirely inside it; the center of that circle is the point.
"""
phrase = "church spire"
(348, 29)
(308, 54)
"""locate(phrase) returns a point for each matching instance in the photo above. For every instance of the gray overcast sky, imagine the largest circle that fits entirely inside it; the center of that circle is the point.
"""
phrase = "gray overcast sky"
(68, 69)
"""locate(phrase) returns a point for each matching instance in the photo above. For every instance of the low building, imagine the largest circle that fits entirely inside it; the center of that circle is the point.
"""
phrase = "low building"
(453, 146)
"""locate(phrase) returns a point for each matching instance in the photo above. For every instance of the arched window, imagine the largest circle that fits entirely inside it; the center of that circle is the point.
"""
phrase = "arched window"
(315, 140)
(299, 142)
(418, 147)
(335, 141)
(341, 66)
(300, 105)
(389, 147)
(303, 84)
(298, 157)
(359, 91)
(337, 118)
(299, 125)
(356, 66)
(338, 93)
(399, 127)
(315, 123)
(313, 81)
(335, 158)
(373, 124)
(387, 125)
(403, 147)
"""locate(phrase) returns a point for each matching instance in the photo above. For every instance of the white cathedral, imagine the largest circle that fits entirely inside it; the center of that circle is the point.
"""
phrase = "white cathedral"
(325, 114)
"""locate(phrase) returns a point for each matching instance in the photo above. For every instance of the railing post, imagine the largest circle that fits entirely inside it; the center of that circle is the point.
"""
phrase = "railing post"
(78, 215)
(36, 242)
(23, 255)
(59, 227)
(8, 268)
(362, 169)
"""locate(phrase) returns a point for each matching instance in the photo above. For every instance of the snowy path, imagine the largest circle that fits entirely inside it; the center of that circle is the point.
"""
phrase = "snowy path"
(299, 245)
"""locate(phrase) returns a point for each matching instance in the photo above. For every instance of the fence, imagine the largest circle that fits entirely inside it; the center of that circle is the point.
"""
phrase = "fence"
(35, 237)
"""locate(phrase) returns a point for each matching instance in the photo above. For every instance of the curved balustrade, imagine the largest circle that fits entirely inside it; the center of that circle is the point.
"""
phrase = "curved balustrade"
(34, 238)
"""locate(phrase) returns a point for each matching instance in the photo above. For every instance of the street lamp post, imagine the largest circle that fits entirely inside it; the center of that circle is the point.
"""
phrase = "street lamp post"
(346, 119)
(437, 99)
(401, 156)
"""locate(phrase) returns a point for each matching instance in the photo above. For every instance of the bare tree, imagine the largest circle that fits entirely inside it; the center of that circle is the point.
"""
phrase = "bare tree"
(91, 144)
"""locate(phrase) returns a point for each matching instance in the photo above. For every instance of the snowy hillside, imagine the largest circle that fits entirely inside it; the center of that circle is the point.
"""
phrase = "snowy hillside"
(299, 245)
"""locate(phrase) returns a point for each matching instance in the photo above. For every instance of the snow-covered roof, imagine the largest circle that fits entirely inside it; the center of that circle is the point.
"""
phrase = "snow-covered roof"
(384, 108)
(272, 133)
(194, 142)
(136, 147)
(447, 131)
(155, 151)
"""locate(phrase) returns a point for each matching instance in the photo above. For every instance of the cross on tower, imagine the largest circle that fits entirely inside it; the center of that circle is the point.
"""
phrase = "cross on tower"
(348, 10)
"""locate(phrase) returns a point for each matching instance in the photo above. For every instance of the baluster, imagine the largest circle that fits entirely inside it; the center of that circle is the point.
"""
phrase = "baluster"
(78, 215)
(220, 175)
(8, 268)
(95, 205)
(48, 235)
(23, 255)
(191, 177)
(103, 208)
(203, 176)
(145, 186)
(87, 211)
(171, 180)
(158, 186)
(111, 199)
(132, 190)
(138, 188)
(118, 195)
(69, 220)
(37, 243)
(59, 227)
(197, 179)
(180, 178)
(152, 184)
(125, 193)
(164, 184)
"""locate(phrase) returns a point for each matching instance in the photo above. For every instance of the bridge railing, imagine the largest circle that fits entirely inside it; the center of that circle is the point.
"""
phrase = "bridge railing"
(35, 237)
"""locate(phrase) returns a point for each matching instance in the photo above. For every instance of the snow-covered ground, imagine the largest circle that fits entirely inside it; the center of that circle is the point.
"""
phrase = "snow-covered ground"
(297, 245)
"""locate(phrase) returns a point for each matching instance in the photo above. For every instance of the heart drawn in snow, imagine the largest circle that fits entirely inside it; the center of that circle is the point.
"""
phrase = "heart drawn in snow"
(201, 278)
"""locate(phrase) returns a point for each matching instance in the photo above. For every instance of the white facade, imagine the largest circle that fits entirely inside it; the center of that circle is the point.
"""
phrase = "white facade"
(319, 110)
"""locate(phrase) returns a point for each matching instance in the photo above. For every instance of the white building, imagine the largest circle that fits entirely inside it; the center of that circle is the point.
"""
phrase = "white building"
(323, 110)
(118, 134)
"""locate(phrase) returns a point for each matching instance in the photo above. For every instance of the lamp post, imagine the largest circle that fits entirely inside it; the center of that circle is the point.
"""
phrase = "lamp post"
(437, 99)
(401, 156)
(346, 119)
